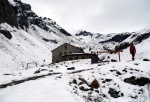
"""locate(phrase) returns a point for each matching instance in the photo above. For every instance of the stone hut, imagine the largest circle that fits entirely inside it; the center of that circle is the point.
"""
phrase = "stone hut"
(64, 49)
(66, 52)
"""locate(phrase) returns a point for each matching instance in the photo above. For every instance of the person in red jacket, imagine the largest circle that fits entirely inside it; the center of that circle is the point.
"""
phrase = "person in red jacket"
(132, 50)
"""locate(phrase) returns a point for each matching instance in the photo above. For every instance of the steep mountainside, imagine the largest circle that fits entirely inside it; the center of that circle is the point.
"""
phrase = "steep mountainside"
(26, 39)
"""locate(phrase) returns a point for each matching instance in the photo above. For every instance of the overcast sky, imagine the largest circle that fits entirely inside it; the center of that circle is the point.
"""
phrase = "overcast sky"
(97, 16)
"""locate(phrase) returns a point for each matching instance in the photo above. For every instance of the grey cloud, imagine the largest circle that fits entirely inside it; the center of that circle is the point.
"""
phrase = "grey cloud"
(101, 16)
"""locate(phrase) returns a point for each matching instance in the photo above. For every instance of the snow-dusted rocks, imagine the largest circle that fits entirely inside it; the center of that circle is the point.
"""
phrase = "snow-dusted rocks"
(141, 81)
(6, 33)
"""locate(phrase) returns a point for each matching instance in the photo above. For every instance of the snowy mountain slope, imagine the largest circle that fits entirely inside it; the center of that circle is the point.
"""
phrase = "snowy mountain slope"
(135, 38)
(84, 36)
(35, 45)
(141, 48)
(22, 49)
(87, 37)
(113, 41)
(28, 42)
(141, 42)
(105, 41)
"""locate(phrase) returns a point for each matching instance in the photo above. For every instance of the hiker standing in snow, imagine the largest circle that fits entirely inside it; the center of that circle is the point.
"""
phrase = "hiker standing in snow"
(132, 51)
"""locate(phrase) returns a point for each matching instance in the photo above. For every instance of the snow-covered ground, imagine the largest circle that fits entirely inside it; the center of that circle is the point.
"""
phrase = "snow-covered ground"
(60, 87)
(43, 90)
(56, 83)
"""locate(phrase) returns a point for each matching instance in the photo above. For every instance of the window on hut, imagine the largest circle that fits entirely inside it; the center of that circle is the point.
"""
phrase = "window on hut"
(65, 53)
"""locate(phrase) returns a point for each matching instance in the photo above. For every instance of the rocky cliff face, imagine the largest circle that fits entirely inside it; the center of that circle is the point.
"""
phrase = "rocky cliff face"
(21, 15)
(7, 13)
(26, 17)
(84, 33)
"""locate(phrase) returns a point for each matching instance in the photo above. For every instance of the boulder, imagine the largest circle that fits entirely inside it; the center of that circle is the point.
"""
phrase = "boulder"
(113, 93)
(113, 60)
(74, 81)
(83, 81)
(145, 59)
(71, 68)
(38, 71)
(94, 84)
(6, 33)
(137, 81)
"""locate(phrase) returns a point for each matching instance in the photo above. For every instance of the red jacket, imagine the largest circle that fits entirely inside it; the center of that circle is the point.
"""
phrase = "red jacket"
(132, 49)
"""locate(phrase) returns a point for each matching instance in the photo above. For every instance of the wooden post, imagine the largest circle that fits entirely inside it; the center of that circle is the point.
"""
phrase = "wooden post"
(119, 56)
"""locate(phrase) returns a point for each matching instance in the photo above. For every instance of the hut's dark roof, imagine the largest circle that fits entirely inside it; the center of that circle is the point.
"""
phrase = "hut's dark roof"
(62, 45)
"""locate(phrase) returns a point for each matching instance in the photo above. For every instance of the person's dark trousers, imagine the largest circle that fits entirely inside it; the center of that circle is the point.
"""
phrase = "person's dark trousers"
(133, 55)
